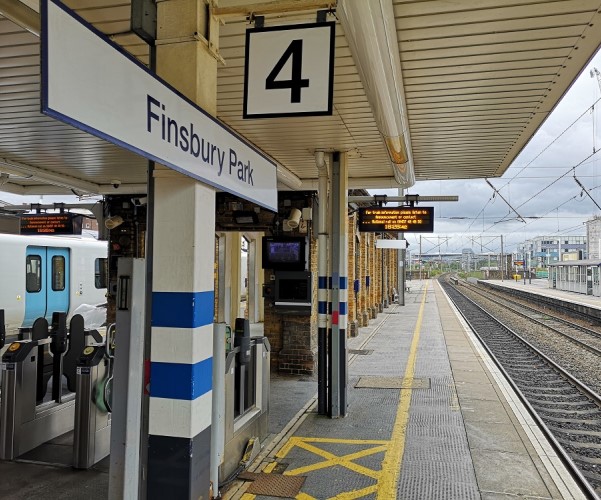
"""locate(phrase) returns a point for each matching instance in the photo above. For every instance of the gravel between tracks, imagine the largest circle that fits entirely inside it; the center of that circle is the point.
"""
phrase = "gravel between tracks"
(580, 362)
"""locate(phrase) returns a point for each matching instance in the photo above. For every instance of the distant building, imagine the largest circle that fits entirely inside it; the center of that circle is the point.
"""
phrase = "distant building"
(543, 250)
(468, 261)
(593, 235)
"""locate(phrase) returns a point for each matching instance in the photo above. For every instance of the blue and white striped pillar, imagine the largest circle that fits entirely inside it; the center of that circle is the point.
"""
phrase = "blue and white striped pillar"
(182, 339)
(179, 412)
(339, 258)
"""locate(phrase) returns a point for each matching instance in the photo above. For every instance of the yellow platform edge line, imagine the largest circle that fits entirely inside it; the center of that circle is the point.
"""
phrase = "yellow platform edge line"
(391, 466)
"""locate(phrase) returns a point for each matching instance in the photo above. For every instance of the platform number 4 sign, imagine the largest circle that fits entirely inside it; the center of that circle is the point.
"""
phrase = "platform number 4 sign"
(289, 71)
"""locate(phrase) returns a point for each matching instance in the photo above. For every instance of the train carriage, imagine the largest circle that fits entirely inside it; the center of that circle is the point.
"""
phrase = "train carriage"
(40, 275)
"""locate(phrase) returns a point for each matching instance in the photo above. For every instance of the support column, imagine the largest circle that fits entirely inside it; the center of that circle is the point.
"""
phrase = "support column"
(339, 259)
(255, 282)
(179, 413)
(322, 289)
(182, 343)
(371, 255)
(363, 291)
(353, 324)
(233, 275)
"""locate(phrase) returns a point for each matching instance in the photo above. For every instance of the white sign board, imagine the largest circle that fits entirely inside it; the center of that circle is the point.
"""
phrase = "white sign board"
(289, 70)
(398, 244)
(92, 84)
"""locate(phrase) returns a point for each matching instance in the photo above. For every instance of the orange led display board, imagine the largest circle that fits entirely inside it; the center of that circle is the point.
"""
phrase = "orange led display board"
(50, 224)
(397, 219)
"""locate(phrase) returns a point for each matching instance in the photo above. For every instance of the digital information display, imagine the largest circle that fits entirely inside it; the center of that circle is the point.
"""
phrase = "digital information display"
(397, 219)
(51, 224)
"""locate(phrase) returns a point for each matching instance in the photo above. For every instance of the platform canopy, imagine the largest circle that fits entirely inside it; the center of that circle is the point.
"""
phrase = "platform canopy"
(478, 78)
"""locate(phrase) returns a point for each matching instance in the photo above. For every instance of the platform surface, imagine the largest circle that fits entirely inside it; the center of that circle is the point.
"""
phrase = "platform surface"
(541, 287)
(429, 417)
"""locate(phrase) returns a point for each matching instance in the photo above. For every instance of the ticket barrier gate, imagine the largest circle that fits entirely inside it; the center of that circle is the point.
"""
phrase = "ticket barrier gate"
(92, 431)
(247, 375)
(27, 418)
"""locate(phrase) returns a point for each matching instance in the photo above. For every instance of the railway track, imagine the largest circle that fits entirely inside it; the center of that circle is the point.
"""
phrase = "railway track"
(567, 409)
(585, 337)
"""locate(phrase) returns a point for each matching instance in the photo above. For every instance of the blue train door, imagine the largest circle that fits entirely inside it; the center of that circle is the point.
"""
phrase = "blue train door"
(57, 277)
(46, 283)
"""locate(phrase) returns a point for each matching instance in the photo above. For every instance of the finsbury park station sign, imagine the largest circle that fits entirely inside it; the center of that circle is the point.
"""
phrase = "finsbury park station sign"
(91, 83)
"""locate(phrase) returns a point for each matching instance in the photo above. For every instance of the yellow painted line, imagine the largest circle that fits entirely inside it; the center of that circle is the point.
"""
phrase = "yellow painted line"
(332, 460)
(304, 496)
(268, 469)
(284, 450)
(351, 495)
(391, 466)
(342, 441)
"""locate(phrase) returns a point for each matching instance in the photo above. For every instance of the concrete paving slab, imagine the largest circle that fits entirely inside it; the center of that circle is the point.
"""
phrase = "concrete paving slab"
(476, 391)
(498, 437)
(502, 496)
(479, 410)
(518, 477)
(477, 376)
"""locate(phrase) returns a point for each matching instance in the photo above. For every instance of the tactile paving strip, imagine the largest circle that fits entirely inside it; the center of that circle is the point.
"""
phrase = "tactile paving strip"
(273, 485)
(392, 383)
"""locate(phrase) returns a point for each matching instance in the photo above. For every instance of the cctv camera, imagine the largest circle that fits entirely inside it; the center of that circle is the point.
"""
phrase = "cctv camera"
(138, 202)
(116, 183)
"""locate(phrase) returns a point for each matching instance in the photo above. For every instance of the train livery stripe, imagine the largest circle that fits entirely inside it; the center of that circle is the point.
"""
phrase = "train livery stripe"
(181, 380)
(182, 309)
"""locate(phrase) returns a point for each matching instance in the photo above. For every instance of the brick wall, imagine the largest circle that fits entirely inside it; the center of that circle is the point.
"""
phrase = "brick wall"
(353, 321)
(293, 337)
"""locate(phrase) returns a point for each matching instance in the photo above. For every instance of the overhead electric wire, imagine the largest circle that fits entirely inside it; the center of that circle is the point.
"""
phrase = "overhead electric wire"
(583, 162)
(483, 208)
(572, 169)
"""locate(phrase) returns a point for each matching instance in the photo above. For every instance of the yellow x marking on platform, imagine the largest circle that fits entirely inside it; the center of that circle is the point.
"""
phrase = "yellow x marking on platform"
(387, 477)
(330, 459)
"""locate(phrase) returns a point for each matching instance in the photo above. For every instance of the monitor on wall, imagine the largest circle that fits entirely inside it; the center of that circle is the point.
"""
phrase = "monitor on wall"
(284, 253)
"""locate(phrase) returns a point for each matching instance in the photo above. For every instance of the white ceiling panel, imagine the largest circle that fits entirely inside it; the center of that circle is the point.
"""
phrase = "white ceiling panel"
(479, 77)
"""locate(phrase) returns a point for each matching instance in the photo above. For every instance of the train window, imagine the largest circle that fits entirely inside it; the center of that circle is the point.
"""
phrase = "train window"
(58, 273)
(33, 273)
(100, 273)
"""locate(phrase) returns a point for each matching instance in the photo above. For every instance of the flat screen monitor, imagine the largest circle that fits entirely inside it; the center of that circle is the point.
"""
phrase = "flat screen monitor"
(293, 288)
(285, 254)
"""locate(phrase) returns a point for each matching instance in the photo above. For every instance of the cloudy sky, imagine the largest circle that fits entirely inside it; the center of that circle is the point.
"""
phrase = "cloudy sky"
(533, 185)
(549, 204)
